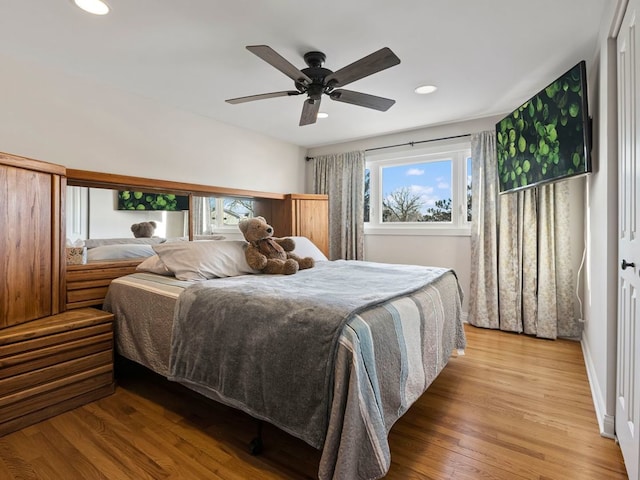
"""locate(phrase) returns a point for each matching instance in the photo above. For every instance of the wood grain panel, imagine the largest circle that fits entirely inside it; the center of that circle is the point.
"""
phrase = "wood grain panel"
(45, 341)
(304, 215)
(87, 294)
(311, 219)
(38, 397)
(25, 243)
(87, 178)
(87, 284)
(31, 164)
(46, 365)
(44, 357)
(55, 409)
(54, 372)
(63, 322)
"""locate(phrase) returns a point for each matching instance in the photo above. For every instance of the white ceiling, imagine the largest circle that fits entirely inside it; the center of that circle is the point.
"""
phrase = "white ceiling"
(487, 57)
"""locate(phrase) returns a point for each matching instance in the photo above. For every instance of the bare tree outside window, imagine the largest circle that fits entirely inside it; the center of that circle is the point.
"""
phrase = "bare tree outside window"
(402, 205)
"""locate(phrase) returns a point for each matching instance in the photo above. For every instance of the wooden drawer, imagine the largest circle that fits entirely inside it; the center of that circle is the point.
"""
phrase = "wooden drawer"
(54, 364)
(87, 284)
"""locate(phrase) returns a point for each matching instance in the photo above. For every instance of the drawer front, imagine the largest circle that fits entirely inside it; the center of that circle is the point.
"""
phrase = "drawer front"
(54, 354)
(54, 364)
(86, 294)
(24, 381)
(55, 409)
(56, 339)
(52, 393)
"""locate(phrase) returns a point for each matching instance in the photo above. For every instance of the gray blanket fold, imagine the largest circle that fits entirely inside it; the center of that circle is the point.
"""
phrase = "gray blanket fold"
(266, 343)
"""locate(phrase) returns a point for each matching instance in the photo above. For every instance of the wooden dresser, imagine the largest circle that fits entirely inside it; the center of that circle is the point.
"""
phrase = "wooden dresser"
(54, 364)
(50, 360)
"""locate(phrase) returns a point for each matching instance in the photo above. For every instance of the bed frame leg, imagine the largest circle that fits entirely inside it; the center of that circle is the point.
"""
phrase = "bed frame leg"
(255, 447)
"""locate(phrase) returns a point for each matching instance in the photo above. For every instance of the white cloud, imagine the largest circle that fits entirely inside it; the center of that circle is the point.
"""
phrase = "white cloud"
(426, 195)
(414, 172)
(442, 185)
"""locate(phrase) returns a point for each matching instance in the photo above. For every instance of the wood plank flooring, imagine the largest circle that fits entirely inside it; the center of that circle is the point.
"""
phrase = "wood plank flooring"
(512, 408)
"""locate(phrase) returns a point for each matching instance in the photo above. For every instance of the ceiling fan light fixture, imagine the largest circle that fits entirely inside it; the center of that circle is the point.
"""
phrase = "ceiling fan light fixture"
(96, 7)
(322, 115)
(425, 89)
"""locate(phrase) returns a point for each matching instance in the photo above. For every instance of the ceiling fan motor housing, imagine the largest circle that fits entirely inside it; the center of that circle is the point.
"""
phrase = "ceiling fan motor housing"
(317, 74)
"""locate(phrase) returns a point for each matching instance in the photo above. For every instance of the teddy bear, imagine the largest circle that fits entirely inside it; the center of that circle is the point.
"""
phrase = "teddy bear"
(268, 254)
(143, 229)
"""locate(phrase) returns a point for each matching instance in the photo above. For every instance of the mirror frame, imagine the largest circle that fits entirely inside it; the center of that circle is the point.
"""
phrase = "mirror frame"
(265, 202)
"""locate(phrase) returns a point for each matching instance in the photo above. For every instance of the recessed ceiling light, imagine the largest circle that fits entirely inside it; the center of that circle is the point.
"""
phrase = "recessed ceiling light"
(97, 7)
(424, 89)
(322, 115)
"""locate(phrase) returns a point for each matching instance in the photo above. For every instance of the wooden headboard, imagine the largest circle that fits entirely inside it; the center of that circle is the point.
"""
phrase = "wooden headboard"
(32, 238)
(290, 214)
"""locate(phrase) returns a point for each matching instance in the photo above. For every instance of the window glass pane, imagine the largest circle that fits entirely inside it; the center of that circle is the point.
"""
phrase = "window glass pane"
(469, 189)
(417, 192)
(237, 208)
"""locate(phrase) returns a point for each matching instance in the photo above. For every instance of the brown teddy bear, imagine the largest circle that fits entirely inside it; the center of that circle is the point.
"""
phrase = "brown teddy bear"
(143, 229)
(268, 254)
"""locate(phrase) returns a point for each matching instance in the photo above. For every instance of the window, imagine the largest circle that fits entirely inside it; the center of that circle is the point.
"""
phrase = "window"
(207, 217)
(234, 210)
(419, 190)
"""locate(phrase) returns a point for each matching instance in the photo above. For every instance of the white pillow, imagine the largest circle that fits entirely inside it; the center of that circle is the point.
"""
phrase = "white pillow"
(99, 242)
(203, 260)
(153, 264)
(306, 248)
(117, 252)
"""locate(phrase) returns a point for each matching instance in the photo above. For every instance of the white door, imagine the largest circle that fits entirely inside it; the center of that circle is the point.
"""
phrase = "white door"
(628, 373)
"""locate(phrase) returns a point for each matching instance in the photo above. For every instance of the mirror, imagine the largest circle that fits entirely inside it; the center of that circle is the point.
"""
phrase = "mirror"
(93, 211)
(96, 213)
(207, 219)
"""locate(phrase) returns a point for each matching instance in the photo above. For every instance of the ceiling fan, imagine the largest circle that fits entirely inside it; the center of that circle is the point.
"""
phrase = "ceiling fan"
(316, 80)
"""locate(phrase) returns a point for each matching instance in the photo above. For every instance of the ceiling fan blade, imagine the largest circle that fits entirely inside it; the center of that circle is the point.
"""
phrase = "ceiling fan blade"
(309, 112)
(376, 62)
(276, 60)
(362, 99)
(262, 96)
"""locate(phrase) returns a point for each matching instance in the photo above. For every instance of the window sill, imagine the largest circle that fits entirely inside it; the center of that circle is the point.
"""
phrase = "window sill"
(444, 231)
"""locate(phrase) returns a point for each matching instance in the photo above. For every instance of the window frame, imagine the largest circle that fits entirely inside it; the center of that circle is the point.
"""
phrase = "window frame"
(220, 227)
(458, 152)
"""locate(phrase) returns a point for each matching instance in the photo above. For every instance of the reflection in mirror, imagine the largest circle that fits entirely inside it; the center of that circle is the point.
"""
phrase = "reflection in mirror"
(207, 219)
(93, 213)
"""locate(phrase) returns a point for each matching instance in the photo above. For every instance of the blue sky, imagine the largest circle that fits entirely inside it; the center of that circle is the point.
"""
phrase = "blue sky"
(430, 180)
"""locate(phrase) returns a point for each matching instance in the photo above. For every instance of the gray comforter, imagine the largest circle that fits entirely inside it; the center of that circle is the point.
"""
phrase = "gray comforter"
(268, 345)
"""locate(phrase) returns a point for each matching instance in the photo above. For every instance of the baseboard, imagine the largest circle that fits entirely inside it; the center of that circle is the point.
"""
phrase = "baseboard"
(606, 422)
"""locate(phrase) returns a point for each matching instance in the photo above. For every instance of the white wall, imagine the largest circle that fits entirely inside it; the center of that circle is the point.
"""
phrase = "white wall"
(444, 251)
(68, 120)
(599, 337)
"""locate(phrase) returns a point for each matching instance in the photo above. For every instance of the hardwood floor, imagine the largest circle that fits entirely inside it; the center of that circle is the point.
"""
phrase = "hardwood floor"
(512, 408)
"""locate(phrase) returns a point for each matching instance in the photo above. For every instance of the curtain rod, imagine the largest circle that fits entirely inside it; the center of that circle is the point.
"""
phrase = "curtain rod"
(408, 143)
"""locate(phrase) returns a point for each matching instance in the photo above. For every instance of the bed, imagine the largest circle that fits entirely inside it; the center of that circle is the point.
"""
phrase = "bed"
(333, 355)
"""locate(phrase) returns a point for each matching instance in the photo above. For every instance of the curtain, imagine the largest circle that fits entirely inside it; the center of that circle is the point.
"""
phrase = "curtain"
(201, 216)
(341, 177)
(483, 299)
(521, 274)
